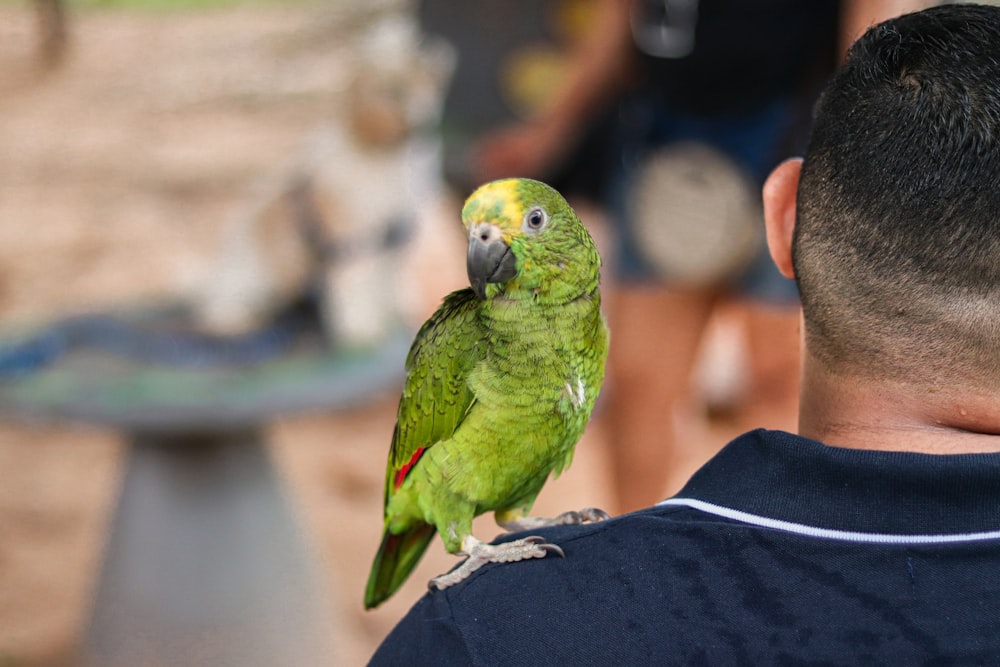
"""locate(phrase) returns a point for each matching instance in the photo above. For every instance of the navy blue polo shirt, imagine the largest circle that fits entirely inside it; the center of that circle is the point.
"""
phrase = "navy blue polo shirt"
(780, 550)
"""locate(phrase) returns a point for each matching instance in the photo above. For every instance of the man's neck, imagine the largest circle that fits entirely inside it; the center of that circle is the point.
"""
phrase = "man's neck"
(861, 413)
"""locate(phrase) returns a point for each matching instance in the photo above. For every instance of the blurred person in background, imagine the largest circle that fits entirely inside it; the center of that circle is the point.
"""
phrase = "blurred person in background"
(683, 107)
(512, 56)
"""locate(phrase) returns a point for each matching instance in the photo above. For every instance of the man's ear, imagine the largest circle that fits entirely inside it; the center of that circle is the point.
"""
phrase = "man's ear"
(779, 212)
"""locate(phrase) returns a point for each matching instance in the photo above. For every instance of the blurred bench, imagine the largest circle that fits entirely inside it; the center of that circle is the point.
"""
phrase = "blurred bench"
(205, 563)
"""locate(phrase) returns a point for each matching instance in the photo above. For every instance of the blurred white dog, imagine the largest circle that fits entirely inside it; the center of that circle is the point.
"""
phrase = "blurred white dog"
(335, 221)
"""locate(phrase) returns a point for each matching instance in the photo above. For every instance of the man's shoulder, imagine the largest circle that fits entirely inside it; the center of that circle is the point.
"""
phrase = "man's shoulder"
(601, 560)
(609, 540)
(573, 601)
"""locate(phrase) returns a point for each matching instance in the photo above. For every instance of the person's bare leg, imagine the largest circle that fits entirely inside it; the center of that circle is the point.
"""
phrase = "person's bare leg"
(655, 334)
(773, 346)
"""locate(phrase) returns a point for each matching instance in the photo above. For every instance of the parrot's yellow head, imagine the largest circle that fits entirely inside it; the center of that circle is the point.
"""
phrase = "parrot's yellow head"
(525, 239)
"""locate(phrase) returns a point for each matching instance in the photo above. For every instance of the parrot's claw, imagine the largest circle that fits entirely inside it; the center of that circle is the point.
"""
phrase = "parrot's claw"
(480, 553)
(586, 515)
(539, 548)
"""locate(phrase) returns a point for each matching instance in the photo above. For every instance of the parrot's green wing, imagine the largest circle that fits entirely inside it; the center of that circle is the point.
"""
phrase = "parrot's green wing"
(436, 396)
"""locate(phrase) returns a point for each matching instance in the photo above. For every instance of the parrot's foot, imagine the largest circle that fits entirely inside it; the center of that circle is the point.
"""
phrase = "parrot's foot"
(479, 553)
(587, 514)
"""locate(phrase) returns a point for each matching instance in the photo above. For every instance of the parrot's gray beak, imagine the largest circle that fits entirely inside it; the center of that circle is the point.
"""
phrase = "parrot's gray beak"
(490, 259)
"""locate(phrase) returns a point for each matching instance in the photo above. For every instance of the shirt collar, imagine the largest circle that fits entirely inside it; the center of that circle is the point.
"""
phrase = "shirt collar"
(780, 479)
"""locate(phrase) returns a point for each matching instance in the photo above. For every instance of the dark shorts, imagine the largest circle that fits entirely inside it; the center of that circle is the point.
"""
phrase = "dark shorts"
(756, 141)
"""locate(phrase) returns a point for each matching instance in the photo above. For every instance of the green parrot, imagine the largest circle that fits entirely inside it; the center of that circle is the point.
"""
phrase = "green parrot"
(500, 384)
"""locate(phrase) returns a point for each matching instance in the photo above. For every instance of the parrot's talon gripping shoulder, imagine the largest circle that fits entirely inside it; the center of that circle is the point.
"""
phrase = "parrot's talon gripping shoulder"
(540, 543)
(481, 553)
(591, 515)
(571, 518)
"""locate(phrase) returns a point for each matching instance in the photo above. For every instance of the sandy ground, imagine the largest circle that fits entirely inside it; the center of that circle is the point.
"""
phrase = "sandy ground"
(116, 171)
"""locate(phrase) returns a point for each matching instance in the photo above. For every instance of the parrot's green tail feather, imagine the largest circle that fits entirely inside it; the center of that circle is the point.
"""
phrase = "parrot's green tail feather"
(395, 560)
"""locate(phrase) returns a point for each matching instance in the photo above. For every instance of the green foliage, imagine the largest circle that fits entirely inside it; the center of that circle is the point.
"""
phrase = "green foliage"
(168, 5)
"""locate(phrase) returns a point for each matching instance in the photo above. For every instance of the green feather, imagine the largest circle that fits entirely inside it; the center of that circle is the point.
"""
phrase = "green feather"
(396, 558)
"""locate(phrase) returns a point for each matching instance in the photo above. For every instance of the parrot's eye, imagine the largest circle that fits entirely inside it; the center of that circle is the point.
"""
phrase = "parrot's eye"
(535, 219)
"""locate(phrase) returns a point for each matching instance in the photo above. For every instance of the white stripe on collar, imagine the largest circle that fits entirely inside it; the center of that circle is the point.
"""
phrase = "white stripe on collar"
(826, 533)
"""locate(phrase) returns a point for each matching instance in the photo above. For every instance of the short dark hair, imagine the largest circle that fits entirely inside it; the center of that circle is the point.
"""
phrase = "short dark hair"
(897, 239)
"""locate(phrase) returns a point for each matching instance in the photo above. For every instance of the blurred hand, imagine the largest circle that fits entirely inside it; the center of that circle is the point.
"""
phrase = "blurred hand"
(528, 150)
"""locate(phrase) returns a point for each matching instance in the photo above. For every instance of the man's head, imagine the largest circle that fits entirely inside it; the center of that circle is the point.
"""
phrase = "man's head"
(896, 243)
